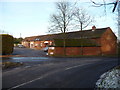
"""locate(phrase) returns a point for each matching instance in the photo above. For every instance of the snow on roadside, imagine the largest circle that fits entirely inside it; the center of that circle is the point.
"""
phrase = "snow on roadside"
(110, 79)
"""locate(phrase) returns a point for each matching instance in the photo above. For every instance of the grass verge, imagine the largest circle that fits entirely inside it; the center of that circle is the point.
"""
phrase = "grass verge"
(6, 65)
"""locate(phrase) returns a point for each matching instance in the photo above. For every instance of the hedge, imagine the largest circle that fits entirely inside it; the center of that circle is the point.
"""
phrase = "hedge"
(75, 42)
(17, 40)
(6, 44)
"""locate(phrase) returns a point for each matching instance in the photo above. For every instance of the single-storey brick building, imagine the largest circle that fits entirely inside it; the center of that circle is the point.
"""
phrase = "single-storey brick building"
(96, 41)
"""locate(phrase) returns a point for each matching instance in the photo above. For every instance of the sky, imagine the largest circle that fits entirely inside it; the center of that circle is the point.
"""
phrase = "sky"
(31, 17)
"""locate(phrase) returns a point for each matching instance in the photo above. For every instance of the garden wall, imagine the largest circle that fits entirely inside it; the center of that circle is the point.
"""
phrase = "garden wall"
(74, 51)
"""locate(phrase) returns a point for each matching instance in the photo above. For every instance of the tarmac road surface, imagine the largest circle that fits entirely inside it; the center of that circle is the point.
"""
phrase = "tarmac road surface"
(29, 52)
(58, 73)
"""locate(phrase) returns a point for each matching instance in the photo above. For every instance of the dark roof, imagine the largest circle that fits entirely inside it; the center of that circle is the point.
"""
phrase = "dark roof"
(30, 38)
(70, 35)
(87, 33)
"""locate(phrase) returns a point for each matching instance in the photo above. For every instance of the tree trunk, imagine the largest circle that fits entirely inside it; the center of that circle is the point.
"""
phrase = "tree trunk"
(64, 32)
(81, 40)
(64, 43)
(64, 46)
(81, 26)
(81, 49)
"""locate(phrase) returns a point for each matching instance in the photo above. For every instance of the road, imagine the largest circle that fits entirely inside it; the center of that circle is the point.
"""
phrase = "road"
(40, 71)
(58, 73)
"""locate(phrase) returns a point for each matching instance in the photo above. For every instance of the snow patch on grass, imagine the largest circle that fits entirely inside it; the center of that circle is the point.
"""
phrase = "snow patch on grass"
(110, 79)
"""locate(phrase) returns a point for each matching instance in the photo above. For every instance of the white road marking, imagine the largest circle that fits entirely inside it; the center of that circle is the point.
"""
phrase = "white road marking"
(43, 77)
(28, 82)
(25, 83)
(27, 66)
(76, 66)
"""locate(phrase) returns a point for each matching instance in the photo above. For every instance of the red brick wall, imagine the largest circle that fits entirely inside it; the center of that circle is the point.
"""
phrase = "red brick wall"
(108, 43)
(76, 51)
(59, 51)
(26, 44)
(73, 51)
(91, 51)
(38, 44)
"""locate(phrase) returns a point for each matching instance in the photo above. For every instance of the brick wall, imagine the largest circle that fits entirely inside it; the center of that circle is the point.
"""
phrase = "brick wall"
(91, 51)
(38, 45)
(26, 44)
(75, 51)
(108, 43)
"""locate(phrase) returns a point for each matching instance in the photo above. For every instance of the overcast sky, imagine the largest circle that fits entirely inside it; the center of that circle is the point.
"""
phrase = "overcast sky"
(30, 17)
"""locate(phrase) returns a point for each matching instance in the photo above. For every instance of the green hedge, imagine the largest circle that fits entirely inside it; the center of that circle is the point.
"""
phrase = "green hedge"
(75, 42)
(6, 44)
(17, 40)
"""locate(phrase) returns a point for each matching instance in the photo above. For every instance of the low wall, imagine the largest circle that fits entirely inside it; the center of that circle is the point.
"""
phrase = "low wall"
(91, 51)
(57, 51)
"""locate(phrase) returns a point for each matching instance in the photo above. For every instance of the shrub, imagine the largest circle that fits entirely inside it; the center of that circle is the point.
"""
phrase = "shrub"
(75, 42)
(6, 44)
(17, 40)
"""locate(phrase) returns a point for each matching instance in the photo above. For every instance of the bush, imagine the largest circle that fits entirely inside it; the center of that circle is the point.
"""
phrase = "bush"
(17, 40)
(7, 44)
(75, 42)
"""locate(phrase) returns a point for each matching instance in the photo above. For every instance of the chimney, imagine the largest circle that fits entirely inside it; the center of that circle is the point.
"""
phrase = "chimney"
(93, 28)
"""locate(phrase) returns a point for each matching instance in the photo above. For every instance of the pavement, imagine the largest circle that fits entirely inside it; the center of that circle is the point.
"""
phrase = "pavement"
(50, 72)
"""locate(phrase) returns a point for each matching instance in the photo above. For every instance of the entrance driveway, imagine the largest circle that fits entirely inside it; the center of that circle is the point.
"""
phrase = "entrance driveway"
(27, 52)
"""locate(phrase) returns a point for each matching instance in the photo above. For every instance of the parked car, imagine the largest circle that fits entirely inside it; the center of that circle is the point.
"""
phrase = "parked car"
(45, 49)
(21, 46)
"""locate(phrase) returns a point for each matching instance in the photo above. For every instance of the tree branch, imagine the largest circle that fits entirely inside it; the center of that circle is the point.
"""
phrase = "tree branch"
(104, 4)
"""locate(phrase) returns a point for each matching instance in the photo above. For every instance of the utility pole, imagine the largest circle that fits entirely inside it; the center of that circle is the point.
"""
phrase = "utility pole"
(115, 4)
(20, 35)
(119, 20)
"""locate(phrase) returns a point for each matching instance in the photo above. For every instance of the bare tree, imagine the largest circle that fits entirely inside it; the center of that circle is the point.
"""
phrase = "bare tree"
(114, 3)
(61, 19)
(104, 4)
(82, 17)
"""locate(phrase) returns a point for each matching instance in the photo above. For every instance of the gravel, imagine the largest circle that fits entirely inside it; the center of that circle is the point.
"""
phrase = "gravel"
(110, 79)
